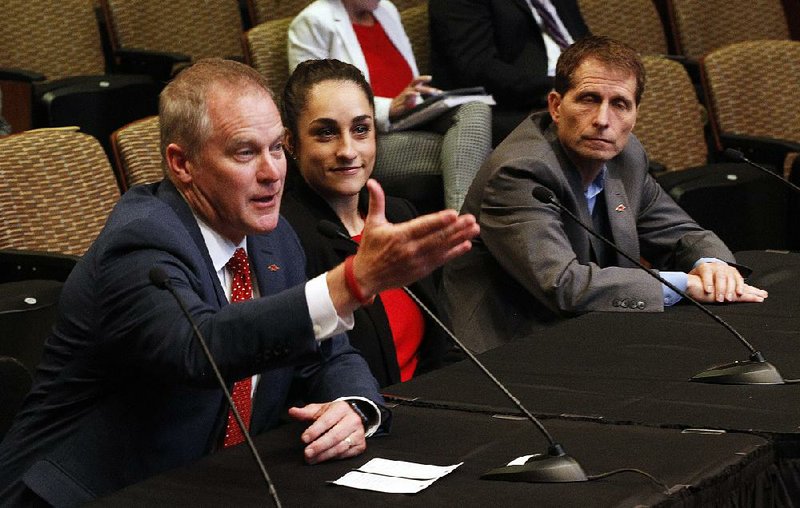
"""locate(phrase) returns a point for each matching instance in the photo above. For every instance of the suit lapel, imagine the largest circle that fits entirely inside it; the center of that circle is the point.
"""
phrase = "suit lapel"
(171, 196)
(523, 4)
(621, 216)
(350, 44)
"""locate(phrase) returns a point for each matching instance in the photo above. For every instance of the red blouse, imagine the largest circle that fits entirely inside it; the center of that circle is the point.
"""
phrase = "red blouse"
(389, 72)
(407, 326)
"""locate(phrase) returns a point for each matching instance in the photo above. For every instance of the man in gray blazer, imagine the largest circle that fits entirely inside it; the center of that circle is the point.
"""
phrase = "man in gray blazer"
(532, 264)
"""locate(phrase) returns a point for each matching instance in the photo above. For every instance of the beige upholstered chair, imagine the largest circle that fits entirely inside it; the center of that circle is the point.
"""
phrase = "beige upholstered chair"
(754, 95)
(53, 70)
(137, 153)
(57, 39)
(265, 50)
(700, 26)
(634, 22)
(56, 189)
(415, 22)
(211, 28)
(670, 120)
(267, 10)
(405, 4)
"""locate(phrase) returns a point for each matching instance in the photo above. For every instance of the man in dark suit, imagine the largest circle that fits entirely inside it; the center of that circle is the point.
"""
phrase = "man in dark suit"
(532, 263)
(123, 390)
(506, 46)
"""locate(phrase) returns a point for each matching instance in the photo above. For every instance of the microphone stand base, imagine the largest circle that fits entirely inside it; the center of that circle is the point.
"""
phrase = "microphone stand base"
(741, 373)
(540, 469)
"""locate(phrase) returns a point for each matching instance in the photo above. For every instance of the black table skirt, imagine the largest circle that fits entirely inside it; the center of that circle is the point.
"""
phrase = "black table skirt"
(700, 469)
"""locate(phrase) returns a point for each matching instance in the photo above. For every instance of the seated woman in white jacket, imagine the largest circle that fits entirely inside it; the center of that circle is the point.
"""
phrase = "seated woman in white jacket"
(369, 35)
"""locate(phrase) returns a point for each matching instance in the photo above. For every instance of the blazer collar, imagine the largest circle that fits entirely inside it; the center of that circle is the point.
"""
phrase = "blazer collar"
(168, 193)
(621, 216)
(320, 209)
(341, 21)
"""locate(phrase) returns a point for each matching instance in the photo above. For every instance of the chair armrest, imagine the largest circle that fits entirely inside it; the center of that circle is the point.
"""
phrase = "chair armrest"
(16, 265)
(25, 75)
(157, 64)
(771, 151)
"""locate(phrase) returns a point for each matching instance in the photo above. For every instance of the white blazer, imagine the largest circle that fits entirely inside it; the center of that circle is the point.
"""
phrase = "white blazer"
(323, 30)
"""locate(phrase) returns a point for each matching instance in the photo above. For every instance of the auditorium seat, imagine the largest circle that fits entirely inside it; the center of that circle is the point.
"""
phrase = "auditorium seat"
(670, 121)
(57, 188)
(754, 98)
(405, 4)
(160, 37)
(700, 26)
(634, 22)
(265, 51)
(137, 153)
(268, 10)
(747, 209)
(415, 23)
(52, 71)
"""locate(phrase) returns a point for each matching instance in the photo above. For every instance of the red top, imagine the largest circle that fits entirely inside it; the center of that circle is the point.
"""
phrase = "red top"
(407, 326)
(389, 72)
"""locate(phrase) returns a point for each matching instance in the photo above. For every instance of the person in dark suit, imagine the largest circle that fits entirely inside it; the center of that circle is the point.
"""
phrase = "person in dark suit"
(532, 263)
(504, 46)
(123, 390)
(330, 118)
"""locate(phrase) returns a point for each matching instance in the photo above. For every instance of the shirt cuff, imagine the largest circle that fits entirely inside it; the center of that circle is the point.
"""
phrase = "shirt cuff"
(370, 410)
(324, 319)
(678, 279)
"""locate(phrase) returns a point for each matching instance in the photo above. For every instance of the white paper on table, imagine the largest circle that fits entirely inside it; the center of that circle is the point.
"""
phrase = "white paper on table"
(394, 476)
(380, 483)
(519, 461)
(402, 469)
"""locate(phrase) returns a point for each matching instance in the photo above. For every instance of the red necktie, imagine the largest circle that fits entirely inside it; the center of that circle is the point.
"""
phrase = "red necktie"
(241, 289)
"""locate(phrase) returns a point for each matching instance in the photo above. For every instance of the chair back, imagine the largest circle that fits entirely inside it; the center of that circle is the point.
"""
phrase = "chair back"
(754, 89)
(57, 39)
(700, 26)
(15, 383)
(211, 28)
(405, 4)
(634, 22)
(57, 189)
(268, 10)
(670, 120)
(415, 22)
(137, 153)
(265, 50)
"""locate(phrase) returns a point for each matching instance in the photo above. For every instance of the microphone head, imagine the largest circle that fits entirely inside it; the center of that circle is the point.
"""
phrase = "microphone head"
(733, 154)
(329, 229)
(159, 277)
(543, 194)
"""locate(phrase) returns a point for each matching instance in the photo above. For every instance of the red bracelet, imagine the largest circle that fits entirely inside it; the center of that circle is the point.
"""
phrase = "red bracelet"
(352, 284)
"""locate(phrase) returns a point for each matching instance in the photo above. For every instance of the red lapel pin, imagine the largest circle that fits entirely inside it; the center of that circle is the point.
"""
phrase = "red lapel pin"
(620, 208)
(273, 268)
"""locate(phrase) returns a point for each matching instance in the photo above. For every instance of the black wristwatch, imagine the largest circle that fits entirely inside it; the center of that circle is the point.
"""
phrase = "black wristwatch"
(360, 413)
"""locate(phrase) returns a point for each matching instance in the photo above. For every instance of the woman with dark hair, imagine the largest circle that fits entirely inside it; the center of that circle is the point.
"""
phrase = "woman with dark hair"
(329, 115)
(369, 34)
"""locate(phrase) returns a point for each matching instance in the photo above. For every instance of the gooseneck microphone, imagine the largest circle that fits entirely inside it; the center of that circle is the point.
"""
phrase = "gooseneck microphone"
(736, 155)
(555, 466)
(756, 370)
(160, 279)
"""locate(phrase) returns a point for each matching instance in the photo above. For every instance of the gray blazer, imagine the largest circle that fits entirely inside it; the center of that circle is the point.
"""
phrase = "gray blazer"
(532, 264)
